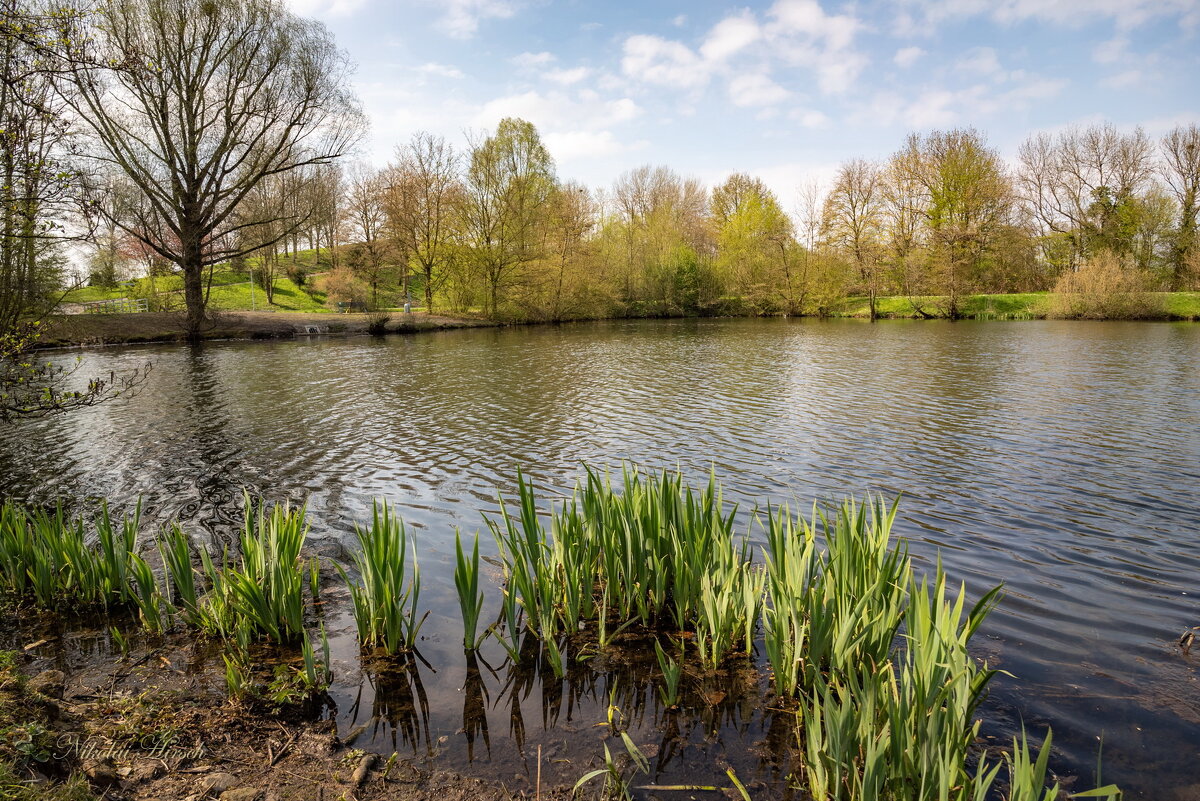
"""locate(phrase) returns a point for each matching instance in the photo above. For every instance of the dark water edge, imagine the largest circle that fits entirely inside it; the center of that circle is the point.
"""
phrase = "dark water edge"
(1062, 459)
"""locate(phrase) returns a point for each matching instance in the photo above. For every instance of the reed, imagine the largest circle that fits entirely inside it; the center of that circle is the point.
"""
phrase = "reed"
(671, 672)
(58, 562)
(259, 595)
(656, 554)
(388, 589)
(470, 596)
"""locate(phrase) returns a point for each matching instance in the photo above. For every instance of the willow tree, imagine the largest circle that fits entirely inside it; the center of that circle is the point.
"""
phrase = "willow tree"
(509, 183)
(196, 102)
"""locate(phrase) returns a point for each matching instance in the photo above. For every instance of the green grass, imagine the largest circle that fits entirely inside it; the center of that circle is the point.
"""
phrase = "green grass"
(1183, 305)
(1016, 306)
(230, 291)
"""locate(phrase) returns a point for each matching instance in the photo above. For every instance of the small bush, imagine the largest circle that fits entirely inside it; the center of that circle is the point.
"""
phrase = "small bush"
(377, 323)
(1105, 288)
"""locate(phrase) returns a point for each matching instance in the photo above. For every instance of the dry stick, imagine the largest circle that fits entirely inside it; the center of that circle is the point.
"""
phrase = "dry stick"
(538, 790)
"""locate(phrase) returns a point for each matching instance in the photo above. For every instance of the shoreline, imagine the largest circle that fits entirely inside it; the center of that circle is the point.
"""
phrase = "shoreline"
(147, 328)
(108, 330)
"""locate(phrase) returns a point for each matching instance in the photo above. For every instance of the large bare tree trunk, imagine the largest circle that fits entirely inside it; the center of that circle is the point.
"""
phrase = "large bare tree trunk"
(193, 288)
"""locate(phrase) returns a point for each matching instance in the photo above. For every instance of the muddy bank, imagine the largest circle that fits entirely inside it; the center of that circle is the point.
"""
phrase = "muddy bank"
(152, 724)
(96, 330)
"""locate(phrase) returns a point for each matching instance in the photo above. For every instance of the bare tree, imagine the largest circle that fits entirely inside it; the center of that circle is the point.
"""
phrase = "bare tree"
(422, 193)
(1181, 170)
(197, 102)
(1074, 182)
(366, 219)
(853, 221)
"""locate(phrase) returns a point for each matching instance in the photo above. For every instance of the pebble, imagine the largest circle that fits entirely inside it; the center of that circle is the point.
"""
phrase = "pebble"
(241, 794)
(217, 783)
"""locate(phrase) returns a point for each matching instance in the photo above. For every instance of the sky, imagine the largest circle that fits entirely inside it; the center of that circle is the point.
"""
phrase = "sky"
(785, 90)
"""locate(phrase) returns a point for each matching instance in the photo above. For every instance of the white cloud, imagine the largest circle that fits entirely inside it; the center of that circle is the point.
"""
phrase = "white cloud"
(325, 8)
(810, 118)
(529, 61)
(756, 89)
(804, 35)
(1111, 51)
(460, 18)
(659, 61)
(559, 111)
(907, 56)
(579, 145)
(729, 36)
(836, 32)
(1122, 80)
(442, 70)
(795, 33)
(679, 21)
(940, 107)
(1126, 14)
(568, 77)
(982, 60)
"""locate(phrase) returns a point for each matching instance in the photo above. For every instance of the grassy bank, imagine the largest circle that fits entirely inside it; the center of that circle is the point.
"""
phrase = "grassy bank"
(231, 291)
(1016, 306)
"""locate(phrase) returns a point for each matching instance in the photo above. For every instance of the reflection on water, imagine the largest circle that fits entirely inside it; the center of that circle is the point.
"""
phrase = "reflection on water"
(1062, 459)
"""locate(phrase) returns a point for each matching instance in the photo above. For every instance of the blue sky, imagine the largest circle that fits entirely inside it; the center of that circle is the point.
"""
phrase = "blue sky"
(785, 90)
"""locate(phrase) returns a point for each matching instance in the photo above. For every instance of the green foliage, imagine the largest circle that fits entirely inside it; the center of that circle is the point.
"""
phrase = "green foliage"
(262, 593)
(470, 596)
(56, 561)
(387, 591)
(658, 555)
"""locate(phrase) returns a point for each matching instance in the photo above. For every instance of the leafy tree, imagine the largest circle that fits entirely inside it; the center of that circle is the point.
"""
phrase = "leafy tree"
(755, 243)
(509, 183)
(422, 191)
(966, 201)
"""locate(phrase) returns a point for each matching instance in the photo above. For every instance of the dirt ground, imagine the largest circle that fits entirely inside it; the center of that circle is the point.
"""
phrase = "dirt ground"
(149, 726)
(92, 330)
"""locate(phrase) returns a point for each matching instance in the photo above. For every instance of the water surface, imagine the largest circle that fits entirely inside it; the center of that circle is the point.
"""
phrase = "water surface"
(1061, 459)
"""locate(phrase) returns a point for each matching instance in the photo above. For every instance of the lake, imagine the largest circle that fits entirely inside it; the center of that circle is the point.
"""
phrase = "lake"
(1061, 459)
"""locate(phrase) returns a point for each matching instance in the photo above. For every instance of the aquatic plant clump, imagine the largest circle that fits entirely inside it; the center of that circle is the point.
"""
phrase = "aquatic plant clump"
(875, 661)
(56, 561)
(658, 554)
(388, 591)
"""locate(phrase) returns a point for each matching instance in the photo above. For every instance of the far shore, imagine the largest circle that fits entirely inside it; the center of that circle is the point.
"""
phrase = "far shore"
(99, 330)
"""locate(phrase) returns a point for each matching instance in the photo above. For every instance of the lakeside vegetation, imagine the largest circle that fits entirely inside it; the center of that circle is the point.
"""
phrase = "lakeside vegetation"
(872, 661)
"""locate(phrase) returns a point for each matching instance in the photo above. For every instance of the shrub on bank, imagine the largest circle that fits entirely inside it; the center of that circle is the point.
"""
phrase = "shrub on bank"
(1105, 288)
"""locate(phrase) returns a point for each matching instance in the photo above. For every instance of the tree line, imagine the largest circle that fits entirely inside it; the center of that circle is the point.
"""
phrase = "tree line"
(492, 228)
(173, 136)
